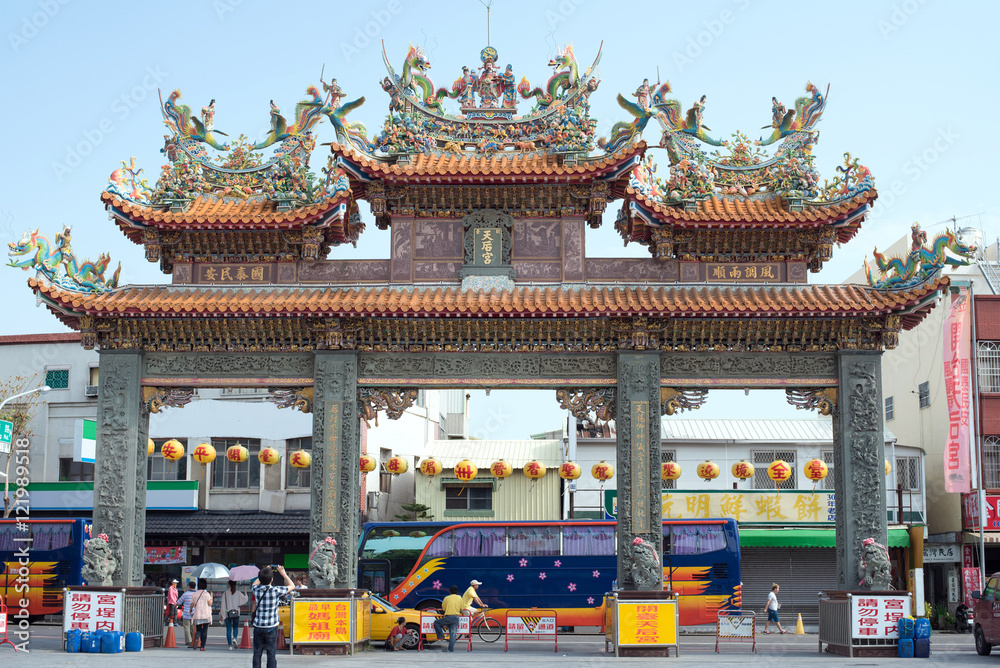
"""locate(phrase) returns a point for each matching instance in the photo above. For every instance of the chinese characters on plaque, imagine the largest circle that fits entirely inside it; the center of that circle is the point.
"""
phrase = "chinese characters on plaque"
(653, 623)
(322, 622)
(235, 273)
(877, 616)
(743, 272)
(92, 611)
(486, 246)
(743, 505)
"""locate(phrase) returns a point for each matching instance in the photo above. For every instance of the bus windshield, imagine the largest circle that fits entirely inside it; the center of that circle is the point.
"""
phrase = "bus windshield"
(400, 548)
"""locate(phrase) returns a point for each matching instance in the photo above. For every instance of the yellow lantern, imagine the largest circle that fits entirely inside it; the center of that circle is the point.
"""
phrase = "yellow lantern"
(708, 470)
(431, 466)
(815, 469)
(204, 453)
(172, 450)
(570, 471)
(888, 467)
(602, 471)
(300, 459)
(779, 471)
(670, 471)
(268, 456)
(150, 447)
(368, 463)
(501, 469)
(237, 454)
(397, 465)
(465, 470)
(534, 469)
(742, 469)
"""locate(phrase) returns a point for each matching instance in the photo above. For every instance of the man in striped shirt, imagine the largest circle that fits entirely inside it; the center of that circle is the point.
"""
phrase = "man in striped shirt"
(185, 602)
(266, 625)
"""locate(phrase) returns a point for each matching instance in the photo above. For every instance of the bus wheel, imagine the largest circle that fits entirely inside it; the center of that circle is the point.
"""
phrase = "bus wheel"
(412, 640)
(428, 605)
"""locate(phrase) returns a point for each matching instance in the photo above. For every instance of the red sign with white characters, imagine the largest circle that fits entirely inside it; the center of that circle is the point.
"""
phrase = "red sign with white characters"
(970, 511)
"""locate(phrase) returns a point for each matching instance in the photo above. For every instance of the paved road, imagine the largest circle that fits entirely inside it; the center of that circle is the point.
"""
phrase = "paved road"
(789, 651)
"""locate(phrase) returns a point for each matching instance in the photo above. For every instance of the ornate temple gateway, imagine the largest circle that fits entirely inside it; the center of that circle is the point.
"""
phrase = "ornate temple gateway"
(487, 187)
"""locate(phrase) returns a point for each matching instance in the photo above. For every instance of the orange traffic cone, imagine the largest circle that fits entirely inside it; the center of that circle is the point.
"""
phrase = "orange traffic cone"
(170, 640)
(245, 638)
(281, 644)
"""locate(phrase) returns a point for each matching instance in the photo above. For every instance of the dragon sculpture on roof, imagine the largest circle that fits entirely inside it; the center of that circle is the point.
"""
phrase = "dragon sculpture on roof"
(58, 264)
(922, 263)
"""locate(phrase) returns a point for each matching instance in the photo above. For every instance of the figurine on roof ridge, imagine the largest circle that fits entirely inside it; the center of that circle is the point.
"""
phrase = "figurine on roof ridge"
(922, 263)
(178, 117)
(59, 265)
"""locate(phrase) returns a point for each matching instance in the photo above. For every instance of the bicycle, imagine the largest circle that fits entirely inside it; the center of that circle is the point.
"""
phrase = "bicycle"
(489, 629)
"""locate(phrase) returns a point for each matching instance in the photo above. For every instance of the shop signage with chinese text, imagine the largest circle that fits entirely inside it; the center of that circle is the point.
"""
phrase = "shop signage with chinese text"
(759, 506)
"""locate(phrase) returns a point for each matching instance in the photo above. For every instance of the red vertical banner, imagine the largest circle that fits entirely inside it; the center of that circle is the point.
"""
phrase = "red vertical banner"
(971, 583)
(957, 473)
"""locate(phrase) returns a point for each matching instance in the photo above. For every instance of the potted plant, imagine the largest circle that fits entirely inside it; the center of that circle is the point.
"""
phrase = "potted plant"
(947, 621)
(940, 610)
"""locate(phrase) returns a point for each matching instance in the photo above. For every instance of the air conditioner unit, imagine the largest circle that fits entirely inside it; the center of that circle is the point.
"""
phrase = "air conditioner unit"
(91, 391)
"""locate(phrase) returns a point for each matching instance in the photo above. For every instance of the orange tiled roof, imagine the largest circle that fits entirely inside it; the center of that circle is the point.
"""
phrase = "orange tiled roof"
(590, 301)
(207, 212)
(501, 164)
(739, 210)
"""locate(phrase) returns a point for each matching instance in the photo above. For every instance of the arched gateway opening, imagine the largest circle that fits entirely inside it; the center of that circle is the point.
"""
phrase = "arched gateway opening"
(488, 284)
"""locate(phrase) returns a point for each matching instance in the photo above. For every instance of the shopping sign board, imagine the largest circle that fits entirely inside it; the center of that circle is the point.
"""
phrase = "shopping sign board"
(6, 435)
(93, 611)
(970, 514)
(744, 505)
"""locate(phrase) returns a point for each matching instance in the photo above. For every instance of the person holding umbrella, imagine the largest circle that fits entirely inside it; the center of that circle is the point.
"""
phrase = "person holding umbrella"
(229, 613)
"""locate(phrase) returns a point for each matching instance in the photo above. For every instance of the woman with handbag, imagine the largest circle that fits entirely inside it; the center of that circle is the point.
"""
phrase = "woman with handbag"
(229, 612)
(201, 613)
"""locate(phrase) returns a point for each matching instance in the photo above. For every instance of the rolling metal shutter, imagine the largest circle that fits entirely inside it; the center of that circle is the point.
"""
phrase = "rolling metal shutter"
(801, 571)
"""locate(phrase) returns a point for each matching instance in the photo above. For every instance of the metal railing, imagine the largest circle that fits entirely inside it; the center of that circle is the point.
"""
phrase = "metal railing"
(835, 624)
(143, 612)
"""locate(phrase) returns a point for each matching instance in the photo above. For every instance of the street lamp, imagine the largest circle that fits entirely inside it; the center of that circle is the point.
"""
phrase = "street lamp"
(43, 389)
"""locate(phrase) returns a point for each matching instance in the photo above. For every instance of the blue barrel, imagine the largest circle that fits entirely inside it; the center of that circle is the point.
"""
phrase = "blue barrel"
(91, 643)
(133, 642)
(113, 642)
(906, 648)
(922, 648)
(922, 628)
(905, 627)
(73, 640)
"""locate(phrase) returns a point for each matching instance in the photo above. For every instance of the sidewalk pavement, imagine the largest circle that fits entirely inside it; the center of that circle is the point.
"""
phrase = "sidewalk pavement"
(573, 650)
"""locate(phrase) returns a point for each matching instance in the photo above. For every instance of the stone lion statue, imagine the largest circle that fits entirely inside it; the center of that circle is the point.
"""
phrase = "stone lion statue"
(647, 569)
(98, 564)
(323, 564)
(874, 569)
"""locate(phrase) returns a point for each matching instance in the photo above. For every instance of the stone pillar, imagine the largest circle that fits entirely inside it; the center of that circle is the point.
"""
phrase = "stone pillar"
(637, 420)
(859, 463)
(120, 466)
(336, 451)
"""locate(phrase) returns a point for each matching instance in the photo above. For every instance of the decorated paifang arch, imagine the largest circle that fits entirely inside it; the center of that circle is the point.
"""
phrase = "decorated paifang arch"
(488, 283)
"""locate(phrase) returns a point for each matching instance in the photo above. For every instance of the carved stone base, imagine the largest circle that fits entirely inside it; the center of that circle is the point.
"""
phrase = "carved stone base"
(481, 282)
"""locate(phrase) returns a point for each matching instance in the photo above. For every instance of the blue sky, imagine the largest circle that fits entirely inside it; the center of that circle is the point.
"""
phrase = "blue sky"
(913, 94)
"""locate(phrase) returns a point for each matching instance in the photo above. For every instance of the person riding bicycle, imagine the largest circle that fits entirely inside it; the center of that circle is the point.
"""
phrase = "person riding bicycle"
(470, 595)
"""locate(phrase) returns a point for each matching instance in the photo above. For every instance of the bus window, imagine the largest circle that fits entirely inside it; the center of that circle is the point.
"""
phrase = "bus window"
(693, 538)
(399, 549)
(581, 541)
(481, 542)
(534, 541)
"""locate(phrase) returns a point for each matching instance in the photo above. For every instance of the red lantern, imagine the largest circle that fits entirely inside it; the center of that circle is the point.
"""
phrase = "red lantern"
(397, 465)
(742, 469)
(602, 471)
(534, 469)
(465, 470)
(708, 470)
(500, 469)
(815, 469)
(368, 463)
(300, 459)
(431, 466)
(204, 453)
(779, 471)
(268, 456)
(237, 454)
(172, 450)
(670, 471)
(569, 471)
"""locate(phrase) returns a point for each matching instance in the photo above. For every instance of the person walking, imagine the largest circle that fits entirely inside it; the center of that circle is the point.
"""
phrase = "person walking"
(201, 614)
(229, 613)
(185, 602)
(172, 602)
(451, 606)
(266, 625)
(772, 609)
